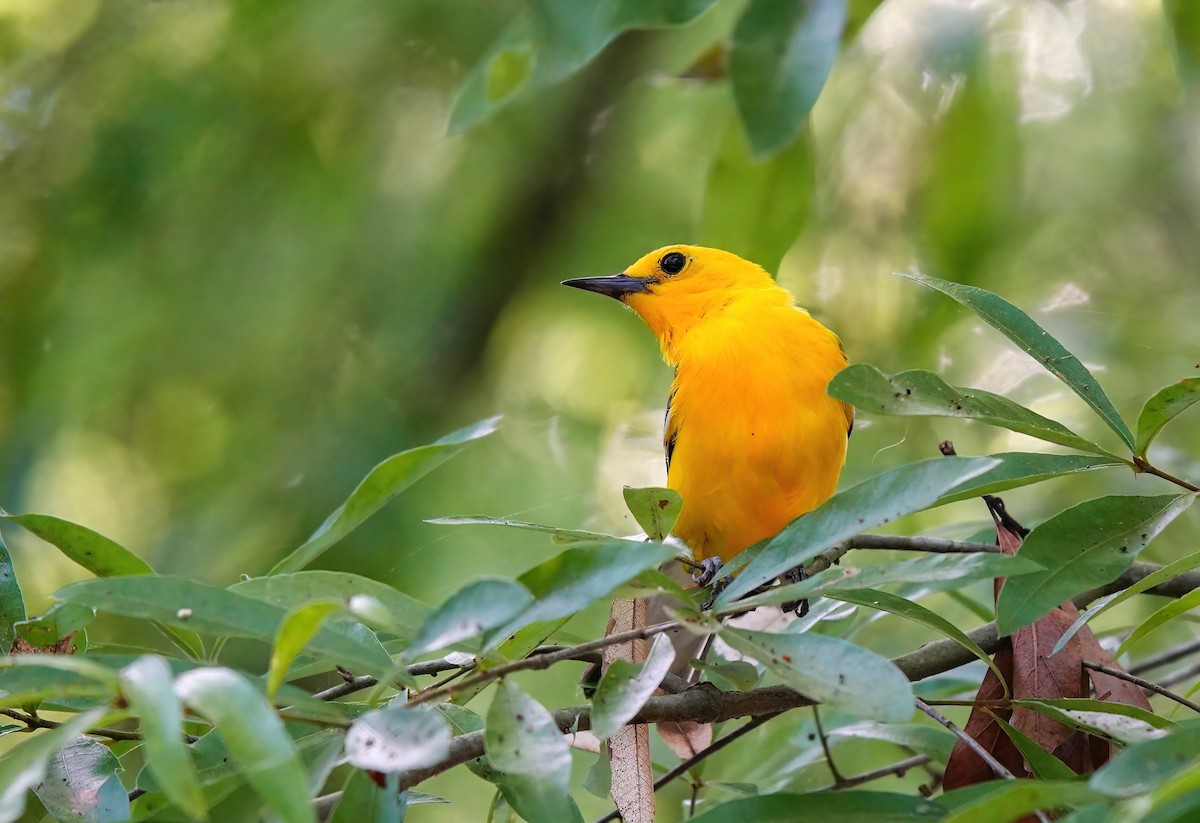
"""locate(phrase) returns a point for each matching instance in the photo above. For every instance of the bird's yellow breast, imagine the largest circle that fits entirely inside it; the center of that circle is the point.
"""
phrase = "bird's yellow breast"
(753, 439)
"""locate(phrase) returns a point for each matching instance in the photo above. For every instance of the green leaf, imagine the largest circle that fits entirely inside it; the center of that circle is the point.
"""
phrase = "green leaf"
(1043, 764)
(1142, 766)
(516, 647)
(473, 610)
(298, 588)
(839, 807)
(398, 739)
(1024, 468)
(830, 670)
(81, 784)
(575, 578)
(1065, 708)
(625, 687)
(1183, 18)
(779, 58)
(254, 736)
(654, 509)
(918, 614)
(59, 621)
(95, 552)
(1021, 329)
(757, 208)
(364, 802)
(12, 602)
(299, 626)
(378, 488)
(1015, 798)
(188, 604)
(934, 741)
(557, 535)
(25, 765)
(926, 569)
(28, 678)
(1148, 582)
(550, 43)
(148, 686)
(1085, 546)
(872, 503)
(1160, 618)
(924, 394)
(1162, 408)
(739, 674)
(523, 741)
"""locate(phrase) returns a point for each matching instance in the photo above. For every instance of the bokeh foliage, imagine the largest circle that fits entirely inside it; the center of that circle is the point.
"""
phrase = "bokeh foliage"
(248, 250)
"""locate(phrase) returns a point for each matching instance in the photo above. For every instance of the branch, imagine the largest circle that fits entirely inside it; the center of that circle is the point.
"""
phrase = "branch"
(32, 721)
(1170, 655)
(1137, 681)
(898, 769)
(706, 704)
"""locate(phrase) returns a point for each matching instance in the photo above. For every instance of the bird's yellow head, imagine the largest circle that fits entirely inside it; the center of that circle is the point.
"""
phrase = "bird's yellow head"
(677, 287)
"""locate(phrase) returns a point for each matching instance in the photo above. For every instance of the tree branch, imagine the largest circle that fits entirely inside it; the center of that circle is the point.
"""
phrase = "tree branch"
(1137, 681)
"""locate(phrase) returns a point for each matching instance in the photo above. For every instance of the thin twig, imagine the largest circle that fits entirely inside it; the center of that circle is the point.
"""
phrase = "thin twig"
(1144, 465)
(541, 661)
(713, 748)
(971, 743)
(1145, 684)
(898, 769)
(838, 780)
(1164, 657)
(35, 722)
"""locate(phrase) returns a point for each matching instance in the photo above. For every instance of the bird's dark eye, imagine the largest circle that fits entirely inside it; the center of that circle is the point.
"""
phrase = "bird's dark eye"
(672, 263)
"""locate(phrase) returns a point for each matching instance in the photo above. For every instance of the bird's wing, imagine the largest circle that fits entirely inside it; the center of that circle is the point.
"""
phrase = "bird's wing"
(670, 430)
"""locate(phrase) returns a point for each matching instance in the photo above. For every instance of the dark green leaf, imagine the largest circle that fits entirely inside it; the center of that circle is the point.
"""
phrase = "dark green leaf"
(1184, 19)
(192, 605)
(28, 678)
(1015, 798)
(551, 42)
(654, 509)
(81, 784)
(1021, 329)
(364, 802)
(523, 741)
(779, 58)
(934, 741)
(874, 502)
(1023, 468)
(625, 687)
(398, 739)
(254, 735)
(12, 602)
(1085, 546)
(575, 578)
(739, 674)
(1148, 582)
(918, 614)
(148, 686)
(95, 552)
(378, 488)
(557, 535)
(923, 393)
(1063, 708)
(757, 208)
(58, 622)
(842, 807)
(830, 670)
(473, 610)
(298, 588)
(25, 765)
(1162, 408)
(1043, 764)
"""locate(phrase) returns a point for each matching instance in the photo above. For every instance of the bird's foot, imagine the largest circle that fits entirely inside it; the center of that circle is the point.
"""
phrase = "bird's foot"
(718, 586)
(800, 607)
(707, 572)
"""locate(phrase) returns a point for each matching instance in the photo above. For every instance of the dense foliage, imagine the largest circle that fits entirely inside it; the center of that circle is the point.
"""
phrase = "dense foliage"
(240, 258)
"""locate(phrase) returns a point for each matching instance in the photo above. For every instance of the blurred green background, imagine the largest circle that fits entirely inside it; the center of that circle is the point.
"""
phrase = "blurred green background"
(242, 258)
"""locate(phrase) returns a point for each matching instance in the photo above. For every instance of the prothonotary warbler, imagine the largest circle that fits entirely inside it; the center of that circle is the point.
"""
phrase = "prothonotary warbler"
(752, 439)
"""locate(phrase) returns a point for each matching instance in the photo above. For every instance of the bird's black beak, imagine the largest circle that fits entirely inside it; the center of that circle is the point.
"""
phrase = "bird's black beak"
(618, 285)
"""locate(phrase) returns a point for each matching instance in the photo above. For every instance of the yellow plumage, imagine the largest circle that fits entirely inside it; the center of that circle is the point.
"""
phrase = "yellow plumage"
(752, 439)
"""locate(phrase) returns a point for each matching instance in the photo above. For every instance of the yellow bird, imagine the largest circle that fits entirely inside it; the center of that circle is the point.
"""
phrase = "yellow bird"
(752, 439)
